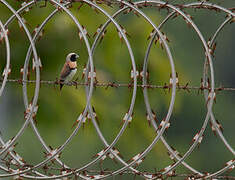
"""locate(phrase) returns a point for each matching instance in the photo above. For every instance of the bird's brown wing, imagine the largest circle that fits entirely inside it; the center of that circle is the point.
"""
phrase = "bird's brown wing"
(65, 71)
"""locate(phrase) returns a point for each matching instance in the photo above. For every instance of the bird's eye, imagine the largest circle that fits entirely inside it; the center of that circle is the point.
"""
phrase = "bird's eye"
(73, 57)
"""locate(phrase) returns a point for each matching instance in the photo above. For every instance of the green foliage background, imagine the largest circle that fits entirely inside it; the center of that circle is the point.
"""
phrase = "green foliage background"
(59, 110)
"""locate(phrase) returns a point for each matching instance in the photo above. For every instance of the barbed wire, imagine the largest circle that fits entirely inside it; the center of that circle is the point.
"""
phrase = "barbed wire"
(114, 84)
(12, 164)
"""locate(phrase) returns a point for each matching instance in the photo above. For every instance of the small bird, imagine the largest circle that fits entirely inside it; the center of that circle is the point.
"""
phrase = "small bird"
(69, 69)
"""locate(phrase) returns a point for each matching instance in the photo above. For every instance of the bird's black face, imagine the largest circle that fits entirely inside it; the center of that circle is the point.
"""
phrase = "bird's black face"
(73, 57)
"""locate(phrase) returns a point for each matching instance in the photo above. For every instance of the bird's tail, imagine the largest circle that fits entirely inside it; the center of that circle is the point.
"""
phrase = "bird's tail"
(61, 85)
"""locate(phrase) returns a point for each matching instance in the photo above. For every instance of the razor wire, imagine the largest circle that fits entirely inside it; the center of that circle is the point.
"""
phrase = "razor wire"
(207, 86)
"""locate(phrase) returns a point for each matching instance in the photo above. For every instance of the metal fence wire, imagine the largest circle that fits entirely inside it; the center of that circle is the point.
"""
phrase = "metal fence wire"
(12, 164)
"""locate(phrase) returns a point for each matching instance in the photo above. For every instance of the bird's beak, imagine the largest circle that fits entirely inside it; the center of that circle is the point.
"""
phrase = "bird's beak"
(77, 56)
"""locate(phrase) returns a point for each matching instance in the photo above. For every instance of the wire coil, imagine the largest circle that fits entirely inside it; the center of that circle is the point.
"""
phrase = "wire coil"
(209, 89)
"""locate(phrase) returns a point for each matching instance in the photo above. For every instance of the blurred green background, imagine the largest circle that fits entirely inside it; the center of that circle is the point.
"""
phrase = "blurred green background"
(58, 110)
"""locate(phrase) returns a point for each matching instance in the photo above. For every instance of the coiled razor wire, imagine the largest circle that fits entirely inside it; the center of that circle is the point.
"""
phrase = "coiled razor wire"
(209, 89)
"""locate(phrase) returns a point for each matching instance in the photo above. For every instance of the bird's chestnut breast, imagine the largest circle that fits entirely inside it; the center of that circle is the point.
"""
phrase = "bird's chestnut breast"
(72, 64)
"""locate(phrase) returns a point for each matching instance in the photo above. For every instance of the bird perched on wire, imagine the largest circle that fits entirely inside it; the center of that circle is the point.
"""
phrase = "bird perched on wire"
(69, 69)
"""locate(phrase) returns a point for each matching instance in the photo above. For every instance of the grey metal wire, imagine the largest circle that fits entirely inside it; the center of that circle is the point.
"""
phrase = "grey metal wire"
(3, 30)
(8, 146)
(146, 99)
(206, 95)
(34, 102)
